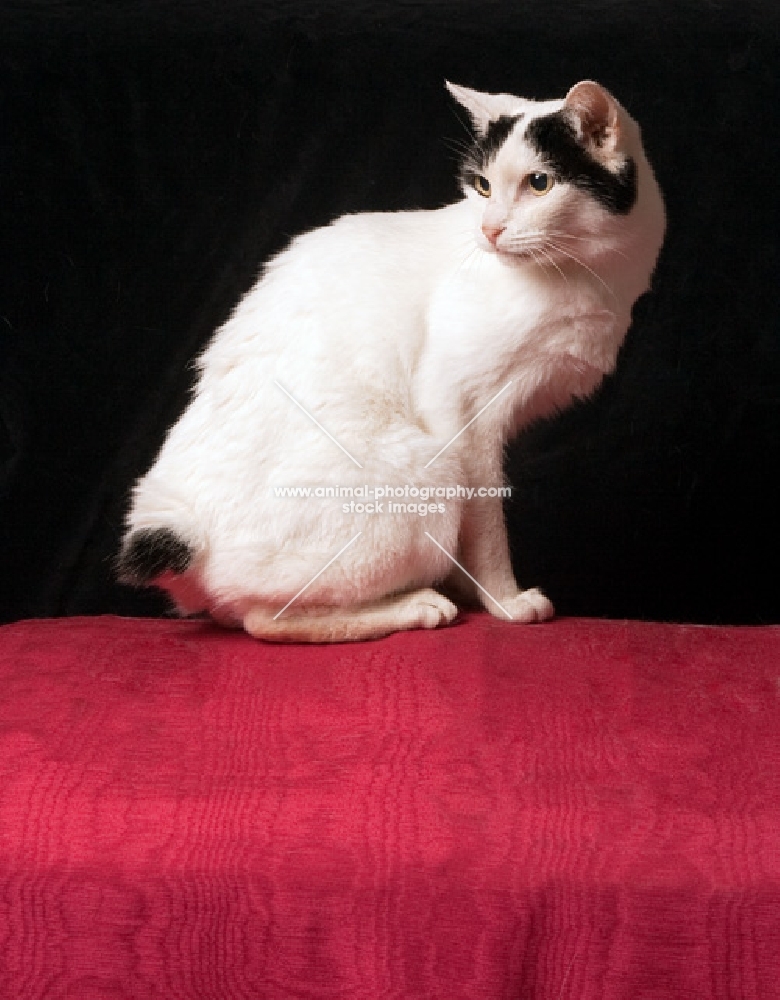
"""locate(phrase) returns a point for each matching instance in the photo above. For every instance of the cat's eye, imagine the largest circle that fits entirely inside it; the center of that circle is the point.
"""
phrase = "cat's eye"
(540, 184)
(482, 185)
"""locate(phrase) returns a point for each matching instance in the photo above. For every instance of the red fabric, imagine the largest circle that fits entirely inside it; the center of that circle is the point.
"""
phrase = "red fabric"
(584, 809)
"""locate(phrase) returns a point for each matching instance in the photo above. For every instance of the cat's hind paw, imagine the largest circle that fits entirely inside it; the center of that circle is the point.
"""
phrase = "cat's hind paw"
(427, 608)
(424, 608)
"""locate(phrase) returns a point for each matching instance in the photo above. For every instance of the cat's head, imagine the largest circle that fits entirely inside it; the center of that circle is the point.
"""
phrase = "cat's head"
(561, 179)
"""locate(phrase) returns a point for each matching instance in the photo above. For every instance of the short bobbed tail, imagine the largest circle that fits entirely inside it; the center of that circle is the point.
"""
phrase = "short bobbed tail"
(147, 553)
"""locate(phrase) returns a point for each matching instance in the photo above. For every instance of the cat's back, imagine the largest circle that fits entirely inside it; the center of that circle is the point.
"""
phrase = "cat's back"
(342, 312)
(335, 325)
(359, 261)
(384, 245)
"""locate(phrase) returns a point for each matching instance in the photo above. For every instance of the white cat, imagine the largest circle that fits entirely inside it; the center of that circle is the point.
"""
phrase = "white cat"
(360, 356)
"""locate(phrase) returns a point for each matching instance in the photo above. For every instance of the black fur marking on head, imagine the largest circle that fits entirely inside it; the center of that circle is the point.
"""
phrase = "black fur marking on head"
(487, 146)
(495, 137)
(149, 552)
(554, 138)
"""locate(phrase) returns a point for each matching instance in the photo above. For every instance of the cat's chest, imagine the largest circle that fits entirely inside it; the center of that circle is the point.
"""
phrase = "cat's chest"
(507, 332)
(498, 307)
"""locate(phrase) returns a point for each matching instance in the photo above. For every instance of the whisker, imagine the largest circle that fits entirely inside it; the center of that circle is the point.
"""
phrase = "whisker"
(544, 234)
(462, 124)
(584, 239)
(539, 254)
(569, 236)
(471, 257)
(552, 261)
(535, 259)
(459, 145)
(467, 244)
(582, 264)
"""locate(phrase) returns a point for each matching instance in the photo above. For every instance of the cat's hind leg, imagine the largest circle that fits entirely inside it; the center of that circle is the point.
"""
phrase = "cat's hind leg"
(424, 608)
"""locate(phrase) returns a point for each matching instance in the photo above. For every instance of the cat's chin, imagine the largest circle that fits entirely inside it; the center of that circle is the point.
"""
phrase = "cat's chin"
(521, 256)
(516, 257)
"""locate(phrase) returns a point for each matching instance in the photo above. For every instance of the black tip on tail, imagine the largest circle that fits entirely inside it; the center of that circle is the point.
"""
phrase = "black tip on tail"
(151, 551)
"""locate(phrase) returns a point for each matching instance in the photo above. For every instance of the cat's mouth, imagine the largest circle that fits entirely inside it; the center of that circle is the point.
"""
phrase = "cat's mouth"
(517, 252)
(543, 257)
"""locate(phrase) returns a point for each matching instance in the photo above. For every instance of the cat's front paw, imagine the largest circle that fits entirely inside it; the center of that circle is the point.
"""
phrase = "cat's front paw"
(527, 607)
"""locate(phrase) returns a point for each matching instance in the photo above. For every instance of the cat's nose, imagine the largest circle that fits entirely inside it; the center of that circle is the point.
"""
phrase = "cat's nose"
(492, 233)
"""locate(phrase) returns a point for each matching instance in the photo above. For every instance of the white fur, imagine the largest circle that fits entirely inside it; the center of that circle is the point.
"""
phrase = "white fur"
(393, 331)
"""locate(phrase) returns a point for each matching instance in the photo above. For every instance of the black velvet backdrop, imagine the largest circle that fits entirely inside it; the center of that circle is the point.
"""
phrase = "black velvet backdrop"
(152, 156)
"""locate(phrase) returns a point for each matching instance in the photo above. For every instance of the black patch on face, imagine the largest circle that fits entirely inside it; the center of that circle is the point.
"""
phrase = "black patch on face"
(495, 137)
(487, 146)
(555, 140)
(149, 552)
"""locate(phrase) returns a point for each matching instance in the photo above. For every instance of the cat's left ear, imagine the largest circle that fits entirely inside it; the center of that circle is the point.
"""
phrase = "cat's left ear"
(597, 114)
(484, 108)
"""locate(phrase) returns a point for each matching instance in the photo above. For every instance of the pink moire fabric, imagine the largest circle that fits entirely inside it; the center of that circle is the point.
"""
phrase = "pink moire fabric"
(584, 809)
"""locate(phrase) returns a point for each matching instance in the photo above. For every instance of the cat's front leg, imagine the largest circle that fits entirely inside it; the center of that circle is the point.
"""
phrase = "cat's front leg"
(484, 554)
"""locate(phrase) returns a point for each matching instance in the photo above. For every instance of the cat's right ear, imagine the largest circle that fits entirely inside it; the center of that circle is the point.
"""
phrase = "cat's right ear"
(483, 108)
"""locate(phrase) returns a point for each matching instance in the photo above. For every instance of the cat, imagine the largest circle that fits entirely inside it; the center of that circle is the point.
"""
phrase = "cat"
(392, 352)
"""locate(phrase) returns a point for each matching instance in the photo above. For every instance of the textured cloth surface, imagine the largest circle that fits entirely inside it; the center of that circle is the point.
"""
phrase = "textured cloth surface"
(586, 809)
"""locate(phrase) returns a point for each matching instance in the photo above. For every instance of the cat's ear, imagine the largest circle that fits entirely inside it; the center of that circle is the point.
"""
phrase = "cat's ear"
(597, 114)
(484, 108)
